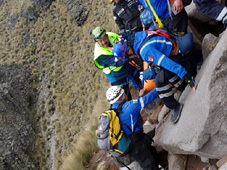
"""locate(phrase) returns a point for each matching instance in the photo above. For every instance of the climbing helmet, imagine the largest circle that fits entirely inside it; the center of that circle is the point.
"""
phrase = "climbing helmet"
(114, 93)
(98, 33)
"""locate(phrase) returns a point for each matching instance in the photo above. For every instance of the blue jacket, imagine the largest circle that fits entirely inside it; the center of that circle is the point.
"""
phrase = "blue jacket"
(131, 110)
(211, 8)
(160, 7)
(124, 72)
(157, 50)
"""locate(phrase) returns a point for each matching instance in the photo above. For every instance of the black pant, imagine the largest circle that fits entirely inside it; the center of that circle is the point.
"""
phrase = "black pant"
(178, 23)
(142, 153)
(162, 84)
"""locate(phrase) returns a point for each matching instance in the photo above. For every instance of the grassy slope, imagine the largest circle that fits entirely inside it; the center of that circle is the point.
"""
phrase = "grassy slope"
(62, 69)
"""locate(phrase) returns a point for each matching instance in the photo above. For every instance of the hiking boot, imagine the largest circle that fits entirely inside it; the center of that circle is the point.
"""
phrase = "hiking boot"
(175, 113)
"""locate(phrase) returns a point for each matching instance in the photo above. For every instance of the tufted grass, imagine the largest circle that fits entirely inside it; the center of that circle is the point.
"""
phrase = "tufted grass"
(63, 72)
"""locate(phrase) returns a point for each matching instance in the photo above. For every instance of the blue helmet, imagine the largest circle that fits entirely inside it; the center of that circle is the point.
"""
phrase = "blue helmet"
(119, 50)
(146, 17)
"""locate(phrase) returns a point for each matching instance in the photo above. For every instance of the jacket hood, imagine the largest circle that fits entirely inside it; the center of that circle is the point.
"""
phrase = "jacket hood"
(139, 37)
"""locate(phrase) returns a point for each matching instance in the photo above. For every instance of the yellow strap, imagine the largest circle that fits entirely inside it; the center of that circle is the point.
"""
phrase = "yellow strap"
(155, 15)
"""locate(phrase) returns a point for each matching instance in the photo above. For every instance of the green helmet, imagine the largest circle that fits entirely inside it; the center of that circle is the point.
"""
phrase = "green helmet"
(98, 33)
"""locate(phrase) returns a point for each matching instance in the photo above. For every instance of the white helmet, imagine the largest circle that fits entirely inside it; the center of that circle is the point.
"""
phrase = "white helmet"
(114, 93)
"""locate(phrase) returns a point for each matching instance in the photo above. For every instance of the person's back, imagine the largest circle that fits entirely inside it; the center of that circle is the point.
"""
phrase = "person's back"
(131, 124)
(126, 16)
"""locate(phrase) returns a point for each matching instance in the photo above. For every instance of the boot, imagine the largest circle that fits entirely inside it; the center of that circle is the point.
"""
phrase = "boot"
(175, 113)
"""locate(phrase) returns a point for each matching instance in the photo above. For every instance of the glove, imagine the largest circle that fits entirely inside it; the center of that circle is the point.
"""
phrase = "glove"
(149, 73)
(225, 23)
(189, 79)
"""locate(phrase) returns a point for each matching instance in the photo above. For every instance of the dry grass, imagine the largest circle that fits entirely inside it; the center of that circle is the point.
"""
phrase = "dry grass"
(63, 71)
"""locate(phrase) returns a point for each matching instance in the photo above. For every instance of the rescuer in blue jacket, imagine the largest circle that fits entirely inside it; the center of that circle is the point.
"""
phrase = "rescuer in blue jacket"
(131, 123)
(213, 9)
(157, 50)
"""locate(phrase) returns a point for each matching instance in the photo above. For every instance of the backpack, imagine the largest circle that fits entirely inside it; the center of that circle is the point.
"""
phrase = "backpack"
(111, 137)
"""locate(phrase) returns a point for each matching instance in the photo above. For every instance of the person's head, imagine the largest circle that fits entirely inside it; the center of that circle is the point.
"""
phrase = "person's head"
(146, 19)
(122, 50)
(115, 94)
(100, 36)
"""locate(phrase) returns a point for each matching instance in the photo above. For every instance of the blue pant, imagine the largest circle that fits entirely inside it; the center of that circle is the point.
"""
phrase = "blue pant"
(211, 8)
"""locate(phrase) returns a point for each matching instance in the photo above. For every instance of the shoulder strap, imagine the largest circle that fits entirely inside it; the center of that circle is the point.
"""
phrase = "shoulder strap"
(119, 108)
(144, 41)
(158, 32)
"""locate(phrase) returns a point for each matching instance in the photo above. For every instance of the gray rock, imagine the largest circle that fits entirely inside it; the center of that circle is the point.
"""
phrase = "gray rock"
(223, 167)
(176, 162)
(13, 20)
(193, 13)
(208, 44)
(43, 5)
(133, 166)
(31, 14)
(201, 129)
(78, 10)
(17, 131)
(1, 1)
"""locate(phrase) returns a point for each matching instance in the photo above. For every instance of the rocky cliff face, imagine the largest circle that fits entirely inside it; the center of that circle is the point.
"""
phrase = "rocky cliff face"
(17, 132)
(47, 36)
(202, 128)
(42, 48)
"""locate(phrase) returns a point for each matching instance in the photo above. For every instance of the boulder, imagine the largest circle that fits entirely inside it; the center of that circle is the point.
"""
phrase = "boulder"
(193, 13)
(202, 127)
(208, 44)
(222, 161)
(176, 162)
(223, 167)
(16, 120)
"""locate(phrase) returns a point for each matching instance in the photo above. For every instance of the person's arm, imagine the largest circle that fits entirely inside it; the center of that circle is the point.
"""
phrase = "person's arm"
(134, 106)
(109, 60)
(156, 57)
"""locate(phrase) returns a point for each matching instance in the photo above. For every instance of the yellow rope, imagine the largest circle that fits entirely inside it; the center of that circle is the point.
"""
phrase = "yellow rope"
(155, 15)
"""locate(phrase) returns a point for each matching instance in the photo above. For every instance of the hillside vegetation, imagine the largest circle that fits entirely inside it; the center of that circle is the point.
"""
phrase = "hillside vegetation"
(60, 55)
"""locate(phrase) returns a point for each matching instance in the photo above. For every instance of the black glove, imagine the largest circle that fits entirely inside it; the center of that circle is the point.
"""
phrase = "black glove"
(225, 24)
(189, 79)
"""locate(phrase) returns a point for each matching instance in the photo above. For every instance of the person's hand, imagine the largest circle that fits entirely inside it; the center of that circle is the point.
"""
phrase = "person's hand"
(178, 5)
(142, 93)
(149, 73)
(190, 80)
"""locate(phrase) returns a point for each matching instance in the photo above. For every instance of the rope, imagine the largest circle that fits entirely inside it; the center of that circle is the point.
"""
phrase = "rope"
(155, 15)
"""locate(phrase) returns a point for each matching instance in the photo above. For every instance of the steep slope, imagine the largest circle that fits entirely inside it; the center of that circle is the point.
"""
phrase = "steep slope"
(60, 53)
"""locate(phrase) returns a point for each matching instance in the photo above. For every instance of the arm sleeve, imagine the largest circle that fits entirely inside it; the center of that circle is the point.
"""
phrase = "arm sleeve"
(148, 98)
(108, 60)
(162, 60)
(134, 106)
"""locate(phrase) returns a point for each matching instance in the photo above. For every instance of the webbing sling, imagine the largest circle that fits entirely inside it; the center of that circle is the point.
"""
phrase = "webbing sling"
(155, 15)
(163, 34)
